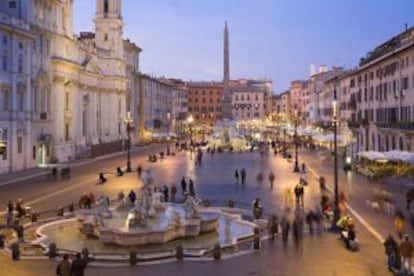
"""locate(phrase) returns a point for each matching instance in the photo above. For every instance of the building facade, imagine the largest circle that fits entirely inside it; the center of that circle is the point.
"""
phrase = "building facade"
(78, 89)
(248, 103)
(204, 101)
(381, 94)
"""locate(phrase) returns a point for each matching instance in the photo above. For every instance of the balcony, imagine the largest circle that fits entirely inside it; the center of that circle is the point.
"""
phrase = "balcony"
(401, 125)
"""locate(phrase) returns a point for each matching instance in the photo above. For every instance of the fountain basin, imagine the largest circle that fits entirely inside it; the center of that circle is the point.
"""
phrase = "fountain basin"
(189, 227)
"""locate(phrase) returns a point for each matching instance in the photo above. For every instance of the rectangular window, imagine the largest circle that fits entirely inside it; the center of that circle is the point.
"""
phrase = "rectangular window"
(34, 153)
(12, 4)
(4, 63)
(67, 101)
(67, 132)
(19, 144)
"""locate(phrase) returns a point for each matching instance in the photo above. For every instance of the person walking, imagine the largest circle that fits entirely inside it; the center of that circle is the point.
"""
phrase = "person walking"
(310, 217)
(406, 249)
(399, 224)
(297, 232)
(236, 176)
(183, 185)
(391, 250)
(243, 176)
(191, 187)
(78, 266)
(64, 266)
(285, 230)
(271, 179)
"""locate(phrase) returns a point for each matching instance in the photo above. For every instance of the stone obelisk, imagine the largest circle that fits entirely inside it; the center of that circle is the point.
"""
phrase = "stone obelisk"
(226, 109)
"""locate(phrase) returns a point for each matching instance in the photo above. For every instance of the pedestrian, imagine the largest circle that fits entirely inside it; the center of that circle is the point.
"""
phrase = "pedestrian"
(285, 230)
(391, 248)
(303, 168)
(296, 190)
(191, 187)
(406, 249)
(243, 176)
(64, 267)
(184, 185)
(10, 207)
(173, 192)
(310, 217)
(297, 232)
(19, 208)
(271, 179)
(78, 266)
(236, 175)
(165, 192)
(399, 224)
(273, 228)
(139, 171)
(132, 197)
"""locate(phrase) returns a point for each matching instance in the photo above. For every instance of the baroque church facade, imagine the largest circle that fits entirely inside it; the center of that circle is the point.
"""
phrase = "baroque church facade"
(63, 96)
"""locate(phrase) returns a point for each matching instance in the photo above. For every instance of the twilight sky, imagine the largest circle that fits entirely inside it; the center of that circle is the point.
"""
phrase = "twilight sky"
(276, 39)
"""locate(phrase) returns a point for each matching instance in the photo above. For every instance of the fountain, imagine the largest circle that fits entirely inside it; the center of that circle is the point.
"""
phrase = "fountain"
(149, 221)
(148, 224)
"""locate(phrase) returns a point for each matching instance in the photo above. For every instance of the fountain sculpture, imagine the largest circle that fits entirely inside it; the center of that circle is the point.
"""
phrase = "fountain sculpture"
(148, 220)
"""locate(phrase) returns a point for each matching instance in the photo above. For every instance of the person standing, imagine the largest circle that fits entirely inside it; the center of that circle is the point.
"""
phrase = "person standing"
(132, 197)
(243, 176)
(406, 249)
(173, 192)
(391, 250)
(78, 266)
(271, 179)
(236, 175)
(310, 217)
(64, 266)
(183, 185)
(10, 207)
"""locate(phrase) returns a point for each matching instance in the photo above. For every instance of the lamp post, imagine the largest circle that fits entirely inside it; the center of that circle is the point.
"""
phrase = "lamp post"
(296, 166)
(336, 211)
(190, 121)
(128, 122)
(168, 132)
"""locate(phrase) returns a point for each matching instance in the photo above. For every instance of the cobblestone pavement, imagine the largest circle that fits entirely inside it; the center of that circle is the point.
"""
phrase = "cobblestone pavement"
(322, 254)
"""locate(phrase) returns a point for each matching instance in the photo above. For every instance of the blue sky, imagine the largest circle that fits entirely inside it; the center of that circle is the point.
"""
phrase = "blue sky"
(276, 39)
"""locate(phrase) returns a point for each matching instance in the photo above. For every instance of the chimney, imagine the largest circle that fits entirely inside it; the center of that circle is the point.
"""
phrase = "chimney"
(323, 69)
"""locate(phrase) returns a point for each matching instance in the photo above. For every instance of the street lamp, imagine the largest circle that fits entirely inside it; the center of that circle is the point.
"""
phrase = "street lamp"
(336, 210)
(128, 122)
(168, 132)
(190, 121)
(296, 166)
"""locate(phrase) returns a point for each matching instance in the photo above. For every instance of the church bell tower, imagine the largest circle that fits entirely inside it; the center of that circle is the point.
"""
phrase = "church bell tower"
(109, 27)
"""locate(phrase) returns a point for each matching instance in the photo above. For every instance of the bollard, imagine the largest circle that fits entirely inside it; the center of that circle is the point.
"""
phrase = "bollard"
(85, 254)
(60, 212)
(34, 216)
(2, 238)
(15, 251)
(71, 207)
(256, 239)
(52, 250)
(133, 257)
(206, 202)
(180, 252)
(217, 252)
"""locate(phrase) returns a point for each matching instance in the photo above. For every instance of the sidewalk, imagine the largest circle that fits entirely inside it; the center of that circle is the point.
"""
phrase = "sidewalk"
(17, 176)
(359, 191)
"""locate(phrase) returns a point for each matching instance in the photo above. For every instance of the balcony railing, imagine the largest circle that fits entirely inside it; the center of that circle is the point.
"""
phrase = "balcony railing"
(402, 125)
